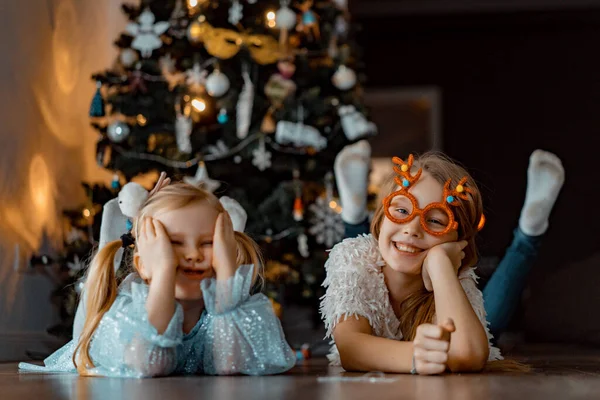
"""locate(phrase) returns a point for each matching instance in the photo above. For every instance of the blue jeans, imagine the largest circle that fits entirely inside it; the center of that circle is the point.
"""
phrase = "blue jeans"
(502, 293)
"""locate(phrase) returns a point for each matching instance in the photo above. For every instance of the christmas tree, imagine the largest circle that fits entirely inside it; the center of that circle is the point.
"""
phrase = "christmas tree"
(252, 99)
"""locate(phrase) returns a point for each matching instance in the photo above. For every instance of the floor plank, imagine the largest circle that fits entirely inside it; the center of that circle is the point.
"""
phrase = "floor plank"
(562, 374)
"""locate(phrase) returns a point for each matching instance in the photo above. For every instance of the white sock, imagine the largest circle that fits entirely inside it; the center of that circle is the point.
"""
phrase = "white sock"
(545, 177)
(352, 176)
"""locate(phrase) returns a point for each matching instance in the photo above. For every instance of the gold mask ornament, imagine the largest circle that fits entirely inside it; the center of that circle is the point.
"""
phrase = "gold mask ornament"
(225, 43)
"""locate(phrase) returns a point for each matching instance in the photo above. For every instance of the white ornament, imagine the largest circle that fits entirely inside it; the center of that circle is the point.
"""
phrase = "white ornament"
(261, 157)
(285, 18)
(244, 106)
(303, 245)
(217, 84)
(236, 212)
(341, 4)
(74, 235)
(146, 33)
(75, 266)
(341, 26)
(354, 123)
(196, 77)
(183, 131)
(201, 179)
(118, 131)
(344, 78)
(167, 66)
(236, 12)
(299, 135)
(128, 57)
(218, 150)
(131, 197)
(327, 225)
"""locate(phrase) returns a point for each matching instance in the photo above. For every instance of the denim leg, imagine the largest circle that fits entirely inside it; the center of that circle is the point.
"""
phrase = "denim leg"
(353, 230)
(502, 293)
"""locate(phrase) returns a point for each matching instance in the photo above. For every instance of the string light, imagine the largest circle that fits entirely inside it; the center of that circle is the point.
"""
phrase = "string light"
(199, 104)
(271, 19)
(141, 120)
(87, 213)
(192, 3)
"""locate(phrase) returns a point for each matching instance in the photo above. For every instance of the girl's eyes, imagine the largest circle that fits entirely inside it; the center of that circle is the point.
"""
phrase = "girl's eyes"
(206, 243)
(176, 242)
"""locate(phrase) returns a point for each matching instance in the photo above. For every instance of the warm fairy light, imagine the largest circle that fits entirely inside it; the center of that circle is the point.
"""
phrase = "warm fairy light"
(87, 213)
(198, 104)
(192, 3)
(332, 204)
(141, 120)
(271, 19)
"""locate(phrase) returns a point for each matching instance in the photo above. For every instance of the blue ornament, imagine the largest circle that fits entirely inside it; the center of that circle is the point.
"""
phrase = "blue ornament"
(115, 184)
(222, 117)
(128, 225)
(450, 199)
(405, 182)
(97, 106)
(308, 18)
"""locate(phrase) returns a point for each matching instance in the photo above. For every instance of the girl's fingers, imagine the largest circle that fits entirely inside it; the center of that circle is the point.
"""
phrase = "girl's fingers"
(438, 357)
(142, 229)
(431, 344)
(150, 232)
(427, 368)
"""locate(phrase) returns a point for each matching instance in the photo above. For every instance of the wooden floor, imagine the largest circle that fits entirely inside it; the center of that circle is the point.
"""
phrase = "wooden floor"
(564, 373)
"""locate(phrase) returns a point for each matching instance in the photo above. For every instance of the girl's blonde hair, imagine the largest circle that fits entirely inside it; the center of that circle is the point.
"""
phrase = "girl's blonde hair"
(419, 307)
(101, 285)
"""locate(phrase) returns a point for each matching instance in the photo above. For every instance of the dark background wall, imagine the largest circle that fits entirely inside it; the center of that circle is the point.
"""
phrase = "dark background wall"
(513, 78)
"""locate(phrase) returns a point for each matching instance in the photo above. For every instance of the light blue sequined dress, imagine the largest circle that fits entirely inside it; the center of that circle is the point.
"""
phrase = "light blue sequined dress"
(236, 334)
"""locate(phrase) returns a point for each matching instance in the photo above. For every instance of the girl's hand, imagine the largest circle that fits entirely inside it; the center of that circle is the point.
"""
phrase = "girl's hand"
(224, 248)
(431, 345)
(452, 251)
(155, 250)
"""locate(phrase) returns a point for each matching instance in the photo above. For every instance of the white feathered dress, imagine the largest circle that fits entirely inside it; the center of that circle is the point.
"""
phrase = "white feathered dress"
(356, 287)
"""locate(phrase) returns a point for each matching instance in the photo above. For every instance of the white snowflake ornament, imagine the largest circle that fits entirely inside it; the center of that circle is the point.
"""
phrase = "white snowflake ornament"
(327, 225)
(196, 77)
(236, 12)
(261, 157)
(147, 33)
(75, 266)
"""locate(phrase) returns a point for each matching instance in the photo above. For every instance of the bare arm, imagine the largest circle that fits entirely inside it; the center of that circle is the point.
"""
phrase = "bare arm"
(469, 347)
(361, 351)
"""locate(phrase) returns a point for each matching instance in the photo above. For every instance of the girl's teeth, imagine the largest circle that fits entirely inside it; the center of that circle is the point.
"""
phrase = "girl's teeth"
(408, 249)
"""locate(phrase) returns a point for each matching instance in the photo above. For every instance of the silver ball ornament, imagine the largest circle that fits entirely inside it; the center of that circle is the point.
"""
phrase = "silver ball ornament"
(118, 131)
(217, 84)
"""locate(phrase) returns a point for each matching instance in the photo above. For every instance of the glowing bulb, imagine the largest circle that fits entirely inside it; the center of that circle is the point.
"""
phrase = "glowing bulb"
(141, 120)
(192, 3)
(87, 213)
(198, 105)
(271, 19)
(332, 204)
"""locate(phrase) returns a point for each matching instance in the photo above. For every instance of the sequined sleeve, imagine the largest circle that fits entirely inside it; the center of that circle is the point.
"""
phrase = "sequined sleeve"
(468, 280)
(243, 335)
(125, 343)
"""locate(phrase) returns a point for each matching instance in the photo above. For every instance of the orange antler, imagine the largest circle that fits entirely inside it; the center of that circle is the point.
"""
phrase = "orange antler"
(405, 179)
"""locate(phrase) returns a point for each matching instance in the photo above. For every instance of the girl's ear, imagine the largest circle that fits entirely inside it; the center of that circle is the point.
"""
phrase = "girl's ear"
(139, 266)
